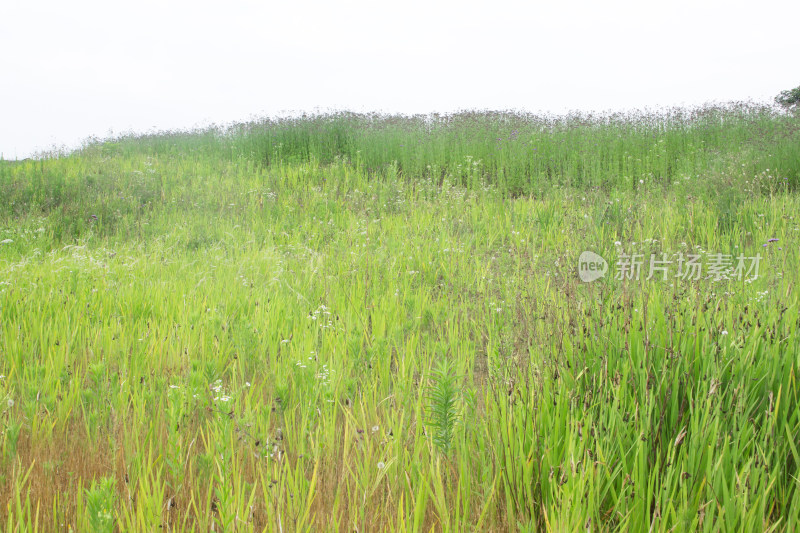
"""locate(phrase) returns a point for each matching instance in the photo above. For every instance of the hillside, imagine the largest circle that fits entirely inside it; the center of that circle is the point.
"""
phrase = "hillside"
(369, 323)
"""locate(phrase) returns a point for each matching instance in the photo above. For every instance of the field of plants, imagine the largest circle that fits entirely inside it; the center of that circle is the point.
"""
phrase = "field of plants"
(376, 323)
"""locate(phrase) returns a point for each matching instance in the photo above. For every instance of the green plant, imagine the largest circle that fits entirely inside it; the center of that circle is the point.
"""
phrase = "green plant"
(12, 434)
(100, 505)
(789, 98)
(444, 406)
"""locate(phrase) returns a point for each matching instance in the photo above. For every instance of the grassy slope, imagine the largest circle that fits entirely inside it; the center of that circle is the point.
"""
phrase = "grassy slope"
(249, 331)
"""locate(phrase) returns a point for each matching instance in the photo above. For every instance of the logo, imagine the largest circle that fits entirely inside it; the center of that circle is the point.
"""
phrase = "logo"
(591, 267)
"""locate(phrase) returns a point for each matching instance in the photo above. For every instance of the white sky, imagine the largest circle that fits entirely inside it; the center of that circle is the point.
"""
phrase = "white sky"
(69, 70)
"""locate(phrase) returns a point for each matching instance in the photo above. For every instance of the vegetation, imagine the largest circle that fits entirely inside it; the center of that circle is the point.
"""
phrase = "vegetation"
(789, 98)
(370, 323)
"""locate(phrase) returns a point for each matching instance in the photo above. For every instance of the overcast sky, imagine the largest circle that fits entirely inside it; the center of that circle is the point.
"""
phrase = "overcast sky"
(69, 70)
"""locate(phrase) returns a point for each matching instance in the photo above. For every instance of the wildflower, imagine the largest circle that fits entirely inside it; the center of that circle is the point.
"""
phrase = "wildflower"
(375, 429)
(246, 383)
(6, 241)
(617, 243)
(381, 465)
(724, 332)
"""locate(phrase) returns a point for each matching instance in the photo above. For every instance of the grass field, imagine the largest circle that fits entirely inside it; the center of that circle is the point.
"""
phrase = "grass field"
(372, 323)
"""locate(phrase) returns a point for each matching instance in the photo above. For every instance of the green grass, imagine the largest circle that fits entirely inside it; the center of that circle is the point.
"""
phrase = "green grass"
(374, 323)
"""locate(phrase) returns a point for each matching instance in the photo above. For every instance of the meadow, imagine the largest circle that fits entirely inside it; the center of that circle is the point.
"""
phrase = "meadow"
(376, 323)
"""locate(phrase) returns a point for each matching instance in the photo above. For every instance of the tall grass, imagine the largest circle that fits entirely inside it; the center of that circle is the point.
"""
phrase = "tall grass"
(211, 331)
(520, 153)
